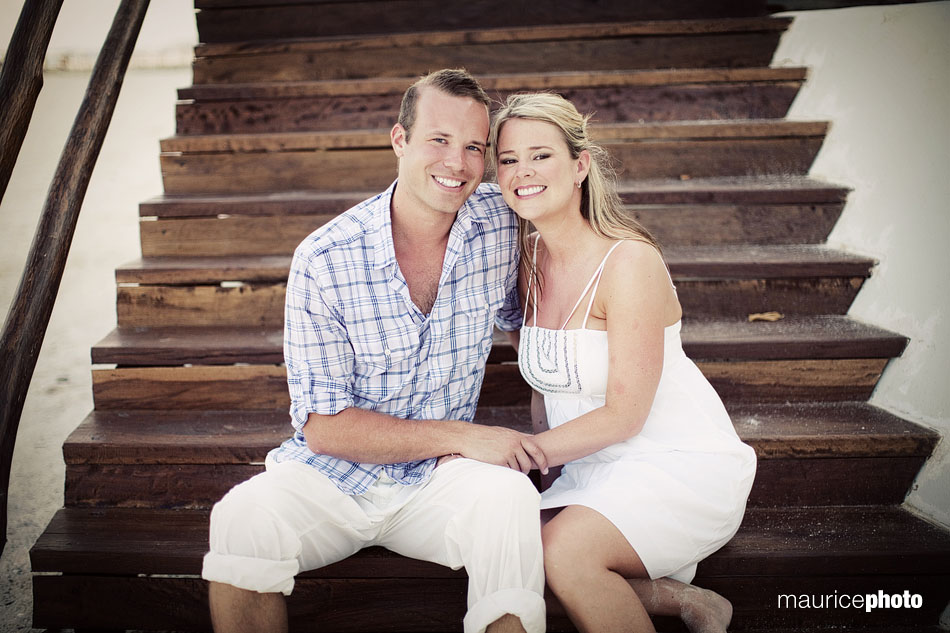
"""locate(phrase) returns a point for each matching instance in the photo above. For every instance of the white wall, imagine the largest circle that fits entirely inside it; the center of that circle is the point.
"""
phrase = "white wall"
(881, 75)
(166, 40)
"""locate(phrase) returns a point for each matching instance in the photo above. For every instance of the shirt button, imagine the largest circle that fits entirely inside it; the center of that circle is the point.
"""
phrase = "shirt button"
(387, 352)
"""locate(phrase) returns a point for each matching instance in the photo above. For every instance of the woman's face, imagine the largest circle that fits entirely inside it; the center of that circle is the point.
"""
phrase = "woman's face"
(536, 173)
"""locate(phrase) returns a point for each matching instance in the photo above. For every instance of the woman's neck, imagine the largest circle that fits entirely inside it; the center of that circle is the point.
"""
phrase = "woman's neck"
(567, 239)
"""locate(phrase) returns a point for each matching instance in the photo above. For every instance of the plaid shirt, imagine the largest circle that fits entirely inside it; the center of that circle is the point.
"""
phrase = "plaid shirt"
(354, 338)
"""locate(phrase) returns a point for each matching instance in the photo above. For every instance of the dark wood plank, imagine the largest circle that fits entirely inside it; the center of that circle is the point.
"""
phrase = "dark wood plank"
(240, 306)
(628, 52)
(251, 304)
(345, 170)
(734, 224)
(777, 431)
(498, 83)
(685, 102)
(780, 482)
(830, 337)
(711, 281)
(763, 190)
(197, 346)
(830, 540)
(841, 453)
(794, 380)
(176, 437)
(224, 22)
(257, 387)
(437, 605)
(253, 387)
(607, 133)
(671, 225)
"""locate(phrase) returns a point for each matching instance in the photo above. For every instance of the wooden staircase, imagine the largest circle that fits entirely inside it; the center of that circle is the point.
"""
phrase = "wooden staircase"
(286, 125)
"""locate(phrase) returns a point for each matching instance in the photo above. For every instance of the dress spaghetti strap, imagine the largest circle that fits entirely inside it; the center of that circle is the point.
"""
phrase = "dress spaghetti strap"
(596, 281)
(534, 264)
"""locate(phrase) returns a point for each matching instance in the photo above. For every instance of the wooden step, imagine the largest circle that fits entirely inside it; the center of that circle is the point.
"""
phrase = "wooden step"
(795, 359)
(723, 43)
(229, 20)
(731, 211)
(362, 159)
(646, 95)
(809, 454)
(764, 190)
(139, 569)
(711, 281)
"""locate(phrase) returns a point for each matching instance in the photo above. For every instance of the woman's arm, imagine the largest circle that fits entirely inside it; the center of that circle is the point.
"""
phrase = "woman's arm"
(637, 301)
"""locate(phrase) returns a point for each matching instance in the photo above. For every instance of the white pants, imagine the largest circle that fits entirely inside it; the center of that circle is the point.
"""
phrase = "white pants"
(469, 514)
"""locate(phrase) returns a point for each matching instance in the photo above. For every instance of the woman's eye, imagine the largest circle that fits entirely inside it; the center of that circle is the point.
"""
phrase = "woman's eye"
(541, 156)
(507, 161)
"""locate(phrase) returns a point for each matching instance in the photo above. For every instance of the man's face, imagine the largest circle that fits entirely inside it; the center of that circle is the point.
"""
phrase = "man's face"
(444, 159)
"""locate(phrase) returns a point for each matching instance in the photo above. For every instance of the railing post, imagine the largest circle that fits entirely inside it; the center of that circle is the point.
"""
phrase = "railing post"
(32, 306)
(22, 79)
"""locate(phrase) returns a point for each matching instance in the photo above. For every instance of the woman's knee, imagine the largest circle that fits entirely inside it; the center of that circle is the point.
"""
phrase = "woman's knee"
(565, 559)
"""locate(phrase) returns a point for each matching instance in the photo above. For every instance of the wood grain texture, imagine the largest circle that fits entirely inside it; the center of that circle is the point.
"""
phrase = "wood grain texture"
(793, 338)
(833, 540)
(345, 170)
(416, 56)
(677, 102)
(226, 22)
(264, 387)
(756, 190)
(781, 430)
(779, 482)
(776, 551)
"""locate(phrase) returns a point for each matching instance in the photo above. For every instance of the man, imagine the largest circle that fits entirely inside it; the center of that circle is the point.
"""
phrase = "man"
(388, 324)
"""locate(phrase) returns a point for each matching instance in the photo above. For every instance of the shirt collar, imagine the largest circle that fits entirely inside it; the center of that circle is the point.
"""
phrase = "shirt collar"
(474, 211)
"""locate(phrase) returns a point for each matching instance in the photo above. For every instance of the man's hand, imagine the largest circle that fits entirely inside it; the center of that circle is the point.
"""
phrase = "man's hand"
(504, 447)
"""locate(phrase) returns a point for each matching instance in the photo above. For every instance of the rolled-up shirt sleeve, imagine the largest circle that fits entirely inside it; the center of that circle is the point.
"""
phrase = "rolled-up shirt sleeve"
(317, 351)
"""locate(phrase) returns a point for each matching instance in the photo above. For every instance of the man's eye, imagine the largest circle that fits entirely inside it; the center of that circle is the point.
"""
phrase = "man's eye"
(475, 148)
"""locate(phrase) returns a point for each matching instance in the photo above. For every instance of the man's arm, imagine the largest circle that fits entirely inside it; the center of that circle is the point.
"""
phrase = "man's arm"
(368, 436)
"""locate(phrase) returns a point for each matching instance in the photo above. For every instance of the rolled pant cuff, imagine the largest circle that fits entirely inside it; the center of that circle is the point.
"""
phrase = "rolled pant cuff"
(524, 603)
(253, 574)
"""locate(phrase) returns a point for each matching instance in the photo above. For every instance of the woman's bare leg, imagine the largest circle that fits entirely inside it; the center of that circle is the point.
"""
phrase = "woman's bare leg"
(602, 583)
(586, 563)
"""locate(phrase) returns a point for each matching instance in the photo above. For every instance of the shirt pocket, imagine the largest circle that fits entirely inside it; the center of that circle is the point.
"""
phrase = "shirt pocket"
(474, 316)
(386, 346)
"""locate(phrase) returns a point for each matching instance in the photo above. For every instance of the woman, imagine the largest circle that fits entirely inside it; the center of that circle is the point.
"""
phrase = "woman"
(655, 478)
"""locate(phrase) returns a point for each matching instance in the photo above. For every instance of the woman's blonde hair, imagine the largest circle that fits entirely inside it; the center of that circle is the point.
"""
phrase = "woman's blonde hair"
(600, 203)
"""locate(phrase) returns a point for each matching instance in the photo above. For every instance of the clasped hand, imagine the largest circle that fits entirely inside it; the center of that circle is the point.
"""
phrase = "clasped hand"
(503, 447)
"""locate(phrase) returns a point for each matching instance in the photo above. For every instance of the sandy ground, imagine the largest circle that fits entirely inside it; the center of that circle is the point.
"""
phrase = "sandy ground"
(106, 237)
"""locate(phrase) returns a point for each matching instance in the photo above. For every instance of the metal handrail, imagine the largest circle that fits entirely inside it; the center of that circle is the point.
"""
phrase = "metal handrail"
(29, 315)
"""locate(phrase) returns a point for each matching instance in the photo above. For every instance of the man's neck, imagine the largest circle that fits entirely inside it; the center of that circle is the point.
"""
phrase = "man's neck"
(417, 228)
(419, 242)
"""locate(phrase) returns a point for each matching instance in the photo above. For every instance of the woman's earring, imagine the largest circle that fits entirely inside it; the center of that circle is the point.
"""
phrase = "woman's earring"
(578, 185)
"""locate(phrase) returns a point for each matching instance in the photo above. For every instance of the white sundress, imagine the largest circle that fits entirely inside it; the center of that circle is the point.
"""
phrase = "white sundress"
(678, 489)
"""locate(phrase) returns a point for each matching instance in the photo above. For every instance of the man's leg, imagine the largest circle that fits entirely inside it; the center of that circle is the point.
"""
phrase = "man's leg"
(484, 518)
(266, 530)
(241, 611)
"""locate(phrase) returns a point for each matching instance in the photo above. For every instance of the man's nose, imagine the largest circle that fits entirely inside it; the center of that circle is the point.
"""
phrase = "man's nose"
(454, 158)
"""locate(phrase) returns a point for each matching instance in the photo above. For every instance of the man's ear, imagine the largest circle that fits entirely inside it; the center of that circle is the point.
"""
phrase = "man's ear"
(398, 137)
